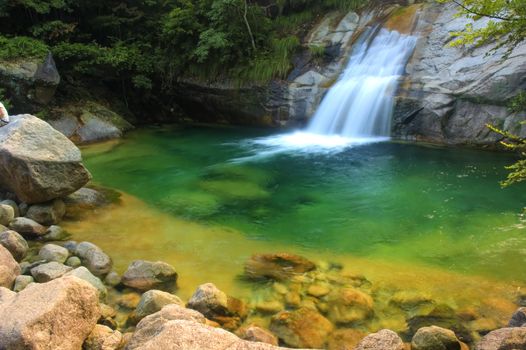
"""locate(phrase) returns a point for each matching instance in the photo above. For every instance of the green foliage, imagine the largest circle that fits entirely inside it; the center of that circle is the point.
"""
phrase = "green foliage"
(317, 52)
(20, 46)
(516, 144)
(506, 25)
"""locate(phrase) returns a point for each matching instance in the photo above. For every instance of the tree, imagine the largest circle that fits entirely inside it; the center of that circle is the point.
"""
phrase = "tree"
(506, 24)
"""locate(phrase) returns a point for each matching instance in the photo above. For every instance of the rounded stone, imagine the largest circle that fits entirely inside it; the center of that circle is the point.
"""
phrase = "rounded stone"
(15, 243)
(73, 261)
(53, 252)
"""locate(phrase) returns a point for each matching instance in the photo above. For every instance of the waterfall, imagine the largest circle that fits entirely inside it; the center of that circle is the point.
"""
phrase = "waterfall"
(360, 103)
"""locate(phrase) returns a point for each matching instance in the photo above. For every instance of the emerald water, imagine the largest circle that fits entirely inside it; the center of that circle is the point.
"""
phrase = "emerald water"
(408, 217)
(437, 206)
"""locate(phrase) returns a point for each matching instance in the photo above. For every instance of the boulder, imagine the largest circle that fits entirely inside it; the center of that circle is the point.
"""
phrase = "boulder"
(15, 243)
(257, 334)
(6, 295)
(301, 328)
(13, 205)
(176, 328)
(98, 262)
(56, 315)
(22, 281)
(55, 233)
(217, 306)
(382, 340)
(280, 267)
(435, 338)
(84, 274)
(145, 275)
(518, 318)
(49, 271)
(73, 261)
(27, 227)
(349, 305)
(9, 268)
(112, 279)
(83, 200)
(153, 301)
(7, 214)
(88, 122)
(103, 338)
(504, 339)
(50, 213)
(37, 162)
(53, 252)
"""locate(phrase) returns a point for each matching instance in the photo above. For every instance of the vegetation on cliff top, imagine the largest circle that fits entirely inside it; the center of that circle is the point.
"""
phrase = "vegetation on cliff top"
(147, 44)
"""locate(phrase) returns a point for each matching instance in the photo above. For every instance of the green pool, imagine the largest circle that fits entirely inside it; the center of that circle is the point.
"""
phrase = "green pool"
(410, 216)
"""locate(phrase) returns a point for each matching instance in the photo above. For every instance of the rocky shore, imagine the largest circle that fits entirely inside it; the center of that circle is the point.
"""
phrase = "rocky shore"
(56, 293)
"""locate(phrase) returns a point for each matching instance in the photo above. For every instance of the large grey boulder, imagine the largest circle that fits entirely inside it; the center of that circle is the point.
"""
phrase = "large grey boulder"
(37, 162)
(145, 275)
(9, 268)
(30, 83)
(89, 122)
(15, 243)
(98, 262)
(56, 315)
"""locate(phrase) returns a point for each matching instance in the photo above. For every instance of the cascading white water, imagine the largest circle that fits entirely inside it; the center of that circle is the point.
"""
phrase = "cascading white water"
(360, 104)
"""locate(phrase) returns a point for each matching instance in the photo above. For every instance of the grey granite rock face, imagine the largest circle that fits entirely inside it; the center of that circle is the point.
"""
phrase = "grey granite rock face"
(451, 93)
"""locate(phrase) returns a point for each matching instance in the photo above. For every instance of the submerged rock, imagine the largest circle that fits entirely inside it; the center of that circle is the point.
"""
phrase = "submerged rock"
(345, 339)
(56, 315)
(257, 334)
(15, 243)
(435, 338)
(349, 305)
(37, 162)
(301, 328)
(145, 275)
(9, 268)
(280, 266)
(83, 200)
(382, 340)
